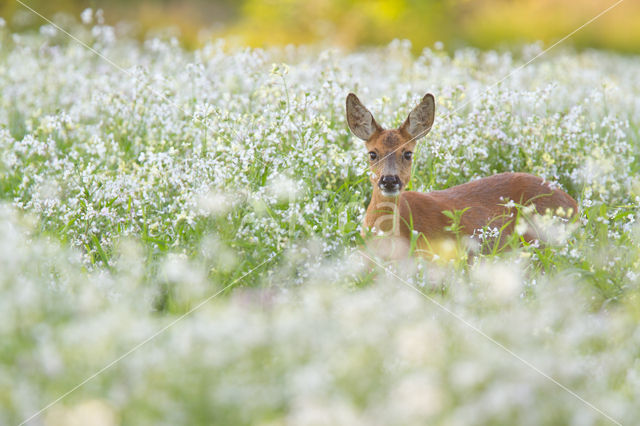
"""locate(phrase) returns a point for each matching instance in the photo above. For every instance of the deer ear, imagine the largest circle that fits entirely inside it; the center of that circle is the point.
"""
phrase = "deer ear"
(360, 120)
(420, 119)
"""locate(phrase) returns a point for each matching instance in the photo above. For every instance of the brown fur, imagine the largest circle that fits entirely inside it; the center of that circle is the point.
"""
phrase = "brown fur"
(484, 198)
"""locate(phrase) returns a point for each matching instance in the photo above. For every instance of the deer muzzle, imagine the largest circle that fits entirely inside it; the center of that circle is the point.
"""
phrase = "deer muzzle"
(390, 185)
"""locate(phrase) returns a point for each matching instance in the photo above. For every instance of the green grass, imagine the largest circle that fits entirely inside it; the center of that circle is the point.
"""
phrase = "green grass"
(121, 212)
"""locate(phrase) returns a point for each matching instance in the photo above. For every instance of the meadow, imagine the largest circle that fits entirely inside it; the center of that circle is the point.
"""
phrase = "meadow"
(195, 216)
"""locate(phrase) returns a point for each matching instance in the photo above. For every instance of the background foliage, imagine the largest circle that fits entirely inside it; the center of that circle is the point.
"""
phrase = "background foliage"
(352, 23)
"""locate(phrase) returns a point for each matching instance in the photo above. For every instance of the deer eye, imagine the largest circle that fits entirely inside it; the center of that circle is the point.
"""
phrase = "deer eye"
(408, 155)
(373, 155)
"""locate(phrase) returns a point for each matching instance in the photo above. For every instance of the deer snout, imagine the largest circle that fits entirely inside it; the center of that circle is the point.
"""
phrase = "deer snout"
(390, 184)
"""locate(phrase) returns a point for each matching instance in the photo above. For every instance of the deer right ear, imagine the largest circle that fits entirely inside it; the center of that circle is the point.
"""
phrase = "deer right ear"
(360, 120)
(420, 120)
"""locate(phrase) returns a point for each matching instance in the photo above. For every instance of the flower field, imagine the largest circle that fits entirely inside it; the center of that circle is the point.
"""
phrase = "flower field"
(180, 237)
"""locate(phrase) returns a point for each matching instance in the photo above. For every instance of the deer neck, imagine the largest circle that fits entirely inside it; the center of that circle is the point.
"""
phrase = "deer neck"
(381, 213)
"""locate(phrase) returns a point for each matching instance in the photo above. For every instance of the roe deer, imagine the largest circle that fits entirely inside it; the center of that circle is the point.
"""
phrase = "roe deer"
(485, 201)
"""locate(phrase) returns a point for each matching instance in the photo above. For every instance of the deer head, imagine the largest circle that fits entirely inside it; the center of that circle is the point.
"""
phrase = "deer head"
(390, 151)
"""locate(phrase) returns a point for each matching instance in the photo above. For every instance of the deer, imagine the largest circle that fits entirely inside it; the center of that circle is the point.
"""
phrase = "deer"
(484, 202)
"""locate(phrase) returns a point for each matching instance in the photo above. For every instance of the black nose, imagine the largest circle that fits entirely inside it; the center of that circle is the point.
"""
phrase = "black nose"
(390, 182)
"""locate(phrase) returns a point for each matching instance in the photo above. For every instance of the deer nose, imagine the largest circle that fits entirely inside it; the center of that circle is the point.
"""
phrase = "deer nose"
(390, 183)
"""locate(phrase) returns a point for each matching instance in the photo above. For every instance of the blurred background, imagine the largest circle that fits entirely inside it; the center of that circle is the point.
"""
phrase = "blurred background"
(357, 23)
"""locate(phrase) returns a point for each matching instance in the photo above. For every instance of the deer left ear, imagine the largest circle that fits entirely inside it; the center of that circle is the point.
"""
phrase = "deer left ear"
(420, 119)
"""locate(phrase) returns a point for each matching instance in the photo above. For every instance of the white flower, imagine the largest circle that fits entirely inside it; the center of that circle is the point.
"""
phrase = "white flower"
(87, 16)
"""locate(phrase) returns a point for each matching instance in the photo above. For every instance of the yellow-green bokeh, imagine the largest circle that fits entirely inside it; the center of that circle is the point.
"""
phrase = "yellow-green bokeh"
(355, 23)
